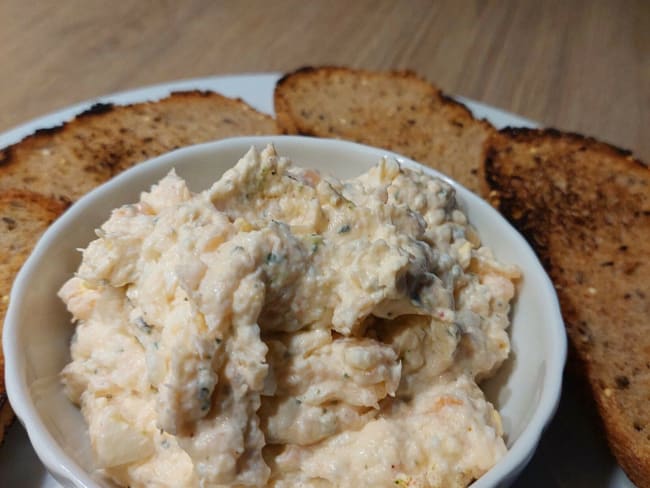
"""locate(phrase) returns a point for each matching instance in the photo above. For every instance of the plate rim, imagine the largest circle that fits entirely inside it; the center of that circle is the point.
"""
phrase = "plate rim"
(498, 117)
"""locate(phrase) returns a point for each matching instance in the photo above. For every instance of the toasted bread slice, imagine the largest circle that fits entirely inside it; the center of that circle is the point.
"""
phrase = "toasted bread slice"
(585, 207)
(24, 216)
(395, 110)
(67, 161)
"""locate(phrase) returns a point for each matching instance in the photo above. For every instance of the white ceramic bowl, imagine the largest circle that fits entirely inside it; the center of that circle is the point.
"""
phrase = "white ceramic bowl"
(37, 329)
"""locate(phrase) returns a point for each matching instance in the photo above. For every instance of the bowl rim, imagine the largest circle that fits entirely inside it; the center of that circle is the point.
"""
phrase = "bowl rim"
(63, 467)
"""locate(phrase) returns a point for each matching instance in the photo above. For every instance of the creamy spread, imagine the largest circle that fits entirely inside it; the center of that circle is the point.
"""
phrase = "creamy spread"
(285, 328)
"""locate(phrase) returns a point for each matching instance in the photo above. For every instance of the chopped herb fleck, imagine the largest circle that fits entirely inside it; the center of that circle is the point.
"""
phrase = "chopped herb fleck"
(143, 325)
(316, 241)
(454, 330)
(272, 258)
(204, 397)
(346, 376)
(344, 229)
(217, 340)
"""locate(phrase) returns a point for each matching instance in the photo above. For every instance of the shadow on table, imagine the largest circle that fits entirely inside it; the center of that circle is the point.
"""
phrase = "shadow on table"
(573, 452)
(19, 465)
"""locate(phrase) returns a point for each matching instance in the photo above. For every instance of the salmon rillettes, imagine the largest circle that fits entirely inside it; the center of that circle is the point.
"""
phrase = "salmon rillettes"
(283, 328)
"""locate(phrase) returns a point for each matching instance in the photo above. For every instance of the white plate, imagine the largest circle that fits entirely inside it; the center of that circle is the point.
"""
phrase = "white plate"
(572, 452)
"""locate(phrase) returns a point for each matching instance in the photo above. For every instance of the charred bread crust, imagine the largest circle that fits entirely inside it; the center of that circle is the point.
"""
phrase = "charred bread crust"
(526, 134)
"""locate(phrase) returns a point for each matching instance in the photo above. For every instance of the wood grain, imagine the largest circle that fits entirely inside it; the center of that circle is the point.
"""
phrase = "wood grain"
(577, 65)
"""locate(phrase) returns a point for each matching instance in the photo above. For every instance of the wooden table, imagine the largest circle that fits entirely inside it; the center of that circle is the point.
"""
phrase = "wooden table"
(576, 65)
